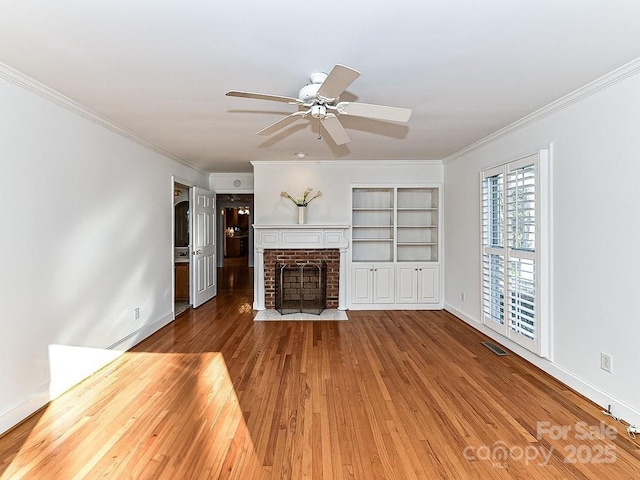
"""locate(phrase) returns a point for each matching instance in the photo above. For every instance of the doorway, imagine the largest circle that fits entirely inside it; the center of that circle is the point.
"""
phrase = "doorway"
(235, 238)
(181, 245)
(235, 232)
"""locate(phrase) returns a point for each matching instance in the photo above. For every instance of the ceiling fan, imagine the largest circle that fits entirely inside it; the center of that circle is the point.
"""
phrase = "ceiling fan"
(321, 100)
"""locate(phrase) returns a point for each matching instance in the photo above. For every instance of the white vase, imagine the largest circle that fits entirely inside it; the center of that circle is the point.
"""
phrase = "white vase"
(301, 214)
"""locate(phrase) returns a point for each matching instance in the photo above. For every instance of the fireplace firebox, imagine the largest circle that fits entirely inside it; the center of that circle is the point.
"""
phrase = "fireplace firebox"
(301, 287)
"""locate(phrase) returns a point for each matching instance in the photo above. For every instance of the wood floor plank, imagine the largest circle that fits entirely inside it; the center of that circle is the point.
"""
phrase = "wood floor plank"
(384, 395)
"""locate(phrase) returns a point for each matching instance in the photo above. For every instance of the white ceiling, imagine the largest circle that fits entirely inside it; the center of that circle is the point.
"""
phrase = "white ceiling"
(467, 68)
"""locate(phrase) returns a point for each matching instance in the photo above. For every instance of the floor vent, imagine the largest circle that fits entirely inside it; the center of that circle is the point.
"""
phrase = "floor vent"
(494, 348)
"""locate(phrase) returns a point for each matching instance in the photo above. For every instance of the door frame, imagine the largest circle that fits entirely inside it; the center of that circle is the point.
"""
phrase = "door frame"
(185, 183)
(220, 231)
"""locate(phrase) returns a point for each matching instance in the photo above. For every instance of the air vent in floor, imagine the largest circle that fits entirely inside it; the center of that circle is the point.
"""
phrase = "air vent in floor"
(494, 348)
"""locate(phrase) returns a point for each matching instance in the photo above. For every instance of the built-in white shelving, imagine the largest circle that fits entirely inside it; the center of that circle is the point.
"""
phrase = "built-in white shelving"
(395, 243)
(373, 224)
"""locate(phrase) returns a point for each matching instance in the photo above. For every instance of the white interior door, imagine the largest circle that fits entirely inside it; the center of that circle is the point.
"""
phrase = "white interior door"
(203, 271)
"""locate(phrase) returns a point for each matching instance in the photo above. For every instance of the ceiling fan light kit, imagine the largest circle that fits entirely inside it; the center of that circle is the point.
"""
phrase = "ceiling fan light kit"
(321, 98)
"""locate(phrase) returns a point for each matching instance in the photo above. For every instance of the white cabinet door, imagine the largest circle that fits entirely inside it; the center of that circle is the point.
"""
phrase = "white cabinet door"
(383, 284)
(417, 283)
(372, 283)
(407, 283)
(362, 283)
(428, 283)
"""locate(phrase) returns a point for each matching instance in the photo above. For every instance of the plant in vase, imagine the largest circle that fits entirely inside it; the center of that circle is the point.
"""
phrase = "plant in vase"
(302, 201)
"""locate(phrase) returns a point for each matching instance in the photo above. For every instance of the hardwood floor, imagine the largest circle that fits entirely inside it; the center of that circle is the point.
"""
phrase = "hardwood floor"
(395, 395)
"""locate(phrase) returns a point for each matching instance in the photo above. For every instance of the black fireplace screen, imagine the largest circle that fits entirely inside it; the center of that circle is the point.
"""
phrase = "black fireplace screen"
(301, 287)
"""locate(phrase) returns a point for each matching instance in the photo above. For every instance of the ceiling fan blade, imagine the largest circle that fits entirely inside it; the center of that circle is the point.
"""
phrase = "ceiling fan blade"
(337, 81)
(380, 112)
(283, 122)
(261, 96)
(335, 129)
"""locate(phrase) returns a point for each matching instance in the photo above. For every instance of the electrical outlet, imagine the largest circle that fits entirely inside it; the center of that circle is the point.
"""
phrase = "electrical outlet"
(605, 362)
(136, 313)
(462, 296)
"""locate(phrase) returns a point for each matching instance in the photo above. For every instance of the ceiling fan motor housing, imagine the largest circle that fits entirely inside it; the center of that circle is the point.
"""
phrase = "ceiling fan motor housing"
(318, 77)
(308, 93)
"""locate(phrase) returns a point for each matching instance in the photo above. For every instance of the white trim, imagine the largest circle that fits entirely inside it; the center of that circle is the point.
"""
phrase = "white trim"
(544, 247)
(619, 408)
(231, 174)
(190, 185)
(137, 336)
(628, 70)
(21, 80)
(395, 306)
(344, 162)
(299, 237)
(36, 400)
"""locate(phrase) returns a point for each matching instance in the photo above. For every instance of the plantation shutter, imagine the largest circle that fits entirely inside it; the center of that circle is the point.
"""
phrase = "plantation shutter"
(521, 235)
(510, 229)
(493, 254)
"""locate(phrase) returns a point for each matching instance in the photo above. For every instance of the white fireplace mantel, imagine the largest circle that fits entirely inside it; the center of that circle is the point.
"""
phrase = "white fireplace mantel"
(299, 237)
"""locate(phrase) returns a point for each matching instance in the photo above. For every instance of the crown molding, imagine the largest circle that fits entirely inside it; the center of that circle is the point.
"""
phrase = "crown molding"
(232, 174)
(345, 162)
(33, 86)
(618, 75)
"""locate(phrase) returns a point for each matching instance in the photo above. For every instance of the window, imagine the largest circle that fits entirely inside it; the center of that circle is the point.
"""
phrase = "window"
(510, 252)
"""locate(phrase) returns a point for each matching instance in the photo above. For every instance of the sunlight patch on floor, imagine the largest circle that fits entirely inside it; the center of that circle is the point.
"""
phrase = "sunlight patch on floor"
(138, 429)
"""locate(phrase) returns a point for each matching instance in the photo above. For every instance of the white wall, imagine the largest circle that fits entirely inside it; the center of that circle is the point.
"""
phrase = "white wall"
(596, 238)
(86, 238)
(333, 178)
(228, 182)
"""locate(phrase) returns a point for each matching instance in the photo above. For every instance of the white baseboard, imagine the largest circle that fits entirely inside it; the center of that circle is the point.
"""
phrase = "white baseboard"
(30, 405)
(620, 409)
(137, 336)
(43, 395)
(395, 306)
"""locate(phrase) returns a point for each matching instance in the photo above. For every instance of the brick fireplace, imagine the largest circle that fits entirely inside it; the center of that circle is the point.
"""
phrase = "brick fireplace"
(301, 256)
(299, 244)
